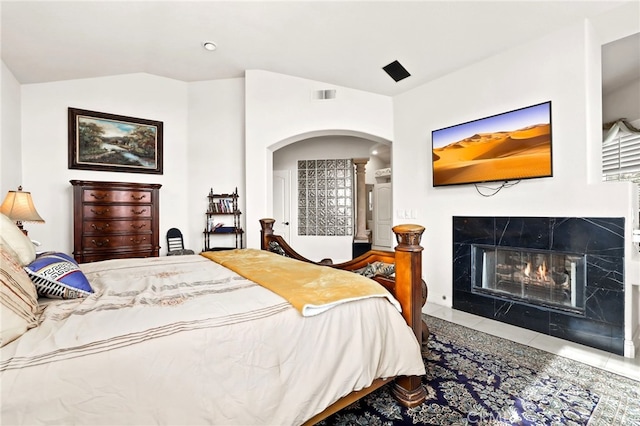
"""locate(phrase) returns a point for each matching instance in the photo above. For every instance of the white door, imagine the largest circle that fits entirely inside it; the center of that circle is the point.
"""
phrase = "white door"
(281, 202)
(382, 215)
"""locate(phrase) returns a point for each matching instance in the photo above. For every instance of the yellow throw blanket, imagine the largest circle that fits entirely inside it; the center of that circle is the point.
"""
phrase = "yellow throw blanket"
(311, 289)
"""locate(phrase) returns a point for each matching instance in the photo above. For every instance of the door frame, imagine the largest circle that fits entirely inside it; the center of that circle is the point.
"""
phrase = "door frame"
(282, 192)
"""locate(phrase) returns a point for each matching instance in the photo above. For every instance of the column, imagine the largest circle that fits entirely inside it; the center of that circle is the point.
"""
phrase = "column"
(361, 200)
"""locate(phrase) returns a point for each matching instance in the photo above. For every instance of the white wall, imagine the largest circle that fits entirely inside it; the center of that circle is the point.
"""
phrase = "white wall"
(215, 156)
(45, 146)
(337, 248)
(204, 130)
(563, 68)
(375, 163)
(622, 103)
(280, 110)
(10, 147)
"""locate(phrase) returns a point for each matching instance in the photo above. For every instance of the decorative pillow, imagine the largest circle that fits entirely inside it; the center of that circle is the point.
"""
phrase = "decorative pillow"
(18, 298)
(57, 276)
(276, 248)
(12, 236)
(377, 268)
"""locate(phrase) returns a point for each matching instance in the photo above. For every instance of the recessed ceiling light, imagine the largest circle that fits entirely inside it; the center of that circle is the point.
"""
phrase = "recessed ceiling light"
(209, 45)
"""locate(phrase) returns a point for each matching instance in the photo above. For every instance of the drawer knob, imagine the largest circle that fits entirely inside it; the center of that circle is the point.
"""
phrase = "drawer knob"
(99, 228)
(100, 243)
(134, 226)
(142, 197)
(105, 211)
(138, 212)
(99, 196)
(137, 241)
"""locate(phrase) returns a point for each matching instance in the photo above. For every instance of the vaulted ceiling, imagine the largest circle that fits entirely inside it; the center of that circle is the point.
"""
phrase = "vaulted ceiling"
(344, 43)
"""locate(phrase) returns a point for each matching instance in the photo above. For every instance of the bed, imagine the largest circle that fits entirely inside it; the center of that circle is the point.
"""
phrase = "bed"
(188, 340)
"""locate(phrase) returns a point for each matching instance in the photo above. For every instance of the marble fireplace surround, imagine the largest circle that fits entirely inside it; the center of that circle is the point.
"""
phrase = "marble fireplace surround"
(602, 241)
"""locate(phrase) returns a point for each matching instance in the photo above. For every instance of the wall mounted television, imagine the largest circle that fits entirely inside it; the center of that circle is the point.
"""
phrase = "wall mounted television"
(506, 147)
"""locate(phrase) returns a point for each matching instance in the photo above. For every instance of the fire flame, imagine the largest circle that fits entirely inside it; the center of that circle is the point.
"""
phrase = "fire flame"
(542, 271)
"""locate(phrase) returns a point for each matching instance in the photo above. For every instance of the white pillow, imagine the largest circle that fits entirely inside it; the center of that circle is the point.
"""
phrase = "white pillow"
(13, 237)
(18, 301)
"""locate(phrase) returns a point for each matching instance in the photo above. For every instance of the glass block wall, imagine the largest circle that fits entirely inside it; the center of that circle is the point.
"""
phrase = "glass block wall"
(325, 197)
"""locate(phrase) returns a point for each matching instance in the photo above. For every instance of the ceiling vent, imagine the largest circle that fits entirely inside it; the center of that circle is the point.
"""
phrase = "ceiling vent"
(396, 71)
(324, 94)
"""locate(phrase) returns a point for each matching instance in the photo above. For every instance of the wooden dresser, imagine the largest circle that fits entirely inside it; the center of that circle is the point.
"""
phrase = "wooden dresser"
(114, 220)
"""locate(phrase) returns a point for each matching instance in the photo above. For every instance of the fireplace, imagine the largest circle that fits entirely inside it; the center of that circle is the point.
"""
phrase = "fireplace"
(558, 276)
(546, 278)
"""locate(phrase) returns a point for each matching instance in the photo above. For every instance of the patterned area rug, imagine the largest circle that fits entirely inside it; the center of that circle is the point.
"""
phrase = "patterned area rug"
(474, 378)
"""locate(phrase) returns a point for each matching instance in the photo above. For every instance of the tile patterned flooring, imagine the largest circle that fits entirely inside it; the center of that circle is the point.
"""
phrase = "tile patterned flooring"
(627, 367)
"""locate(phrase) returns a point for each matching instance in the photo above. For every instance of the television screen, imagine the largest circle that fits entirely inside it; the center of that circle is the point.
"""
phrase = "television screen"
(505, 147)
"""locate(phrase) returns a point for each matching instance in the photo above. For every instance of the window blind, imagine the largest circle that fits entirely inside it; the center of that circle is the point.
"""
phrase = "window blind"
(621, 158)
(621, 154)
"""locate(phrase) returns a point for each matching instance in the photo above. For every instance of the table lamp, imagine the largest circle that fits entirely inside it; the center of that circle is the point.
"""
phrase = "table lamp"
(18, 206)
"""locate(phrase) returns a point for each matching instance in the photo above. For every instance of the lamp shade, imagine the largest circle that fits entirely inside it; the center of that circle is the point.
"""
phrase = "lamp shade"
(18, 206)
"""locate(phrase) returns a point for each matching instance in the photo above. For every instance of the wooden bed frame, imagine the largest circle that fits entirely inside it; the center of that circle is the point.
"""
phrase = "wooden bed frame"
(408, 288)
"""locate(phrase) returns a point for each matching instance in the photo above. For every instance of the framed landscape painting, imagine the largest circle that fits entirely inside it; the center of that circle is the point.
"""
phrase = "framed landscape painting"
(116, 143)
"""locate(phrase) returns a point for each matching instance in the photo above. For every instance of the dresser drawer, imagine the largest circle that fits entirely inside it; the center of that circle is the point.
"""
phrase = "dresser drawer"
(114, 226)
(132, 241)
(88, 257)
(94, 195)
(102, 211)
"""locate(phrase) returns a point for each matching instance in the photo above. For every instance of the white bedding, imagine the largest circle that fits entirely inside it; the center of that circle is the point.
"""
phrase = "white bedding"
(182, 340)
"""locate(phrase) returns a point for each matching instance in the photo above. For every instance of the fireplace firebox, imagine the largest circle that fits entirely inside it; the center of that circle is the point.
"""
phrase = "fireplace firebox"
(560, 276)
(553, 279)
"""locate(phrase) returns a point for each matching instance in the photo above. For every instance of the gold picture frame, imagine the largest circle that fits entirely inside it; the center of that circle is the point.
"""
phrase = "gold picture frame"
(116, 143)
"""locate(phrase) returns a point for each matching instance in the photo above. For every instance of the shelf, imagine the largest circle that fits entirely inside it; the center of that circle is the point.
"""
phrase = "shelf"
(226, 231)
(223, 205)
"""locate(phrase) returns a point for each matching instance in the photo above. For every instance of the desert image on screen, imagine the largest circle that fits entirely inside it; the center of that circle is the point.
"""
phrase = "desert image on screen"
(493, 156)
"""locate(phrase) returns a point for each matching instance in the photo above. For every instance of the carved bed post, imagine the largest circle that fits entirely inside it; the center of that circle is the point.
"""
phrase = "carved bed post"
(408, 389)
(266, 230)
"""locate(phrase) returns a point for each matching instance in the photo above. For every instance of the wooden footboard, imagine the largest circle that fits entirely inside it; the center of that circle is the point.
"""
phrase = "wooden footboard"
(408, 288)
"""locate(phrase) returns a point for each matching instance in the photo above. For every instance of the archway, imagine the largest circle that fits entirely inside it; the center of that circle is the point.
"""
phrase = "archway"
(327, 146)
